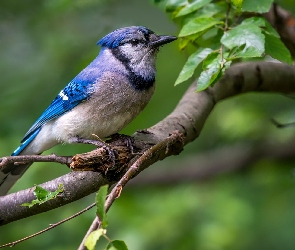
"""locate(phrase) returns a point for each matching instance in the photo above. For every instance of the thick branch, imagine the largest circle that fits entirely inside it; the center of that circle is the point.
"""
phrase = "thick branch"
(208, 165)
(193, 109)
(188, 118)
(12, 210)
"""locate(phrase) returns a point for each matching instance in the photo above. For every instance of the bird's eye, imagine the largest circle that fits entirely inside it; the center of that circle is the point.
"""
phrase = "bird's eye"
(134, 41)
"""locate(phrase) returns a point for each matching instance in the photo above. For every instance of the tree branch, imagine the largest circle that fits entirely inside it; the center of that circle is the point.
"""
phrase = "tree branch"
(193, 109)
(208, 165)
(188, 118)
(35, 158)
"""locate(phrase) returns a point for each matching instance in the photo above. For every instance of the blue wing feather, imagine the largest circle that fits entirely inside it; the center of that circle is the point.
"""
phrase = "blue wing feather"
(74, 93)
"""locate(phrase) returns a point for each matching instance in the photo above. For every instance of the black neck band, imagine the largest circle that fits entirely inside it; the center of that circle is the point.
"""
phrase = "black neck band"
(137, 81)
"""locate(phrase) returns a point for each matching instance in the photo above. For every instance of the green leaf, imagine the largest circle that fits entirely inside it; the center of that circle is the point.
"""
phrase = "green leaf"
(191, 7)
(43, 195)
(183, 42)
(207, 77)
(212, 69)
(172, 5)
(262, 23)
(93, 237)
(238, 4)
(198, 25)
(212, 58)
(212, 9)
(117, 245)
(258, 21)
(276, 49)
(192, 63)
(100, 201)
(270, 30)
(260, 6)
(211, 39)
(248, 38)
(273, 45)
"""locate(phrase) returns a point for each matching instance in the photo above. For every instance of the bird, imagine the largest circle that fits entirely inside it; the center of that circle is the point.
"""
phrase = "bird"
(102, 99)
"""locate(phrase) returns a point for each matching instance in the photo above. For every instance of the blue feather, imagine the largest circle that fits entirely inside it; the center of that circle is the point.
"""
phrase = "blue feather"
(73, 94)
(26, 142)
(117, 37)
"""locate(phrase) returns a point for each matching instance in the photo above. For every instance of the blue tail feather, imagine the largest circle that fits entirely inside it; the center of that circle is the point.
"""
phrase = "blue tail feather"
(25, 143)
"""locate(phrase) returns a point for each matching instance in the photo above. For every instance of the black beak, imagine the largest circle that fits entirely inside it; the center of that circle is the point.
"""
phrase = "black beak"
(162, 40)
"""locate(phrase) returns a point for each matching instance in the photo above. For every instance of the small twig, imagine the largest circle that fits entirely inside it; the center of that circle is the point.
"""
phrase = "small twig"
(35, 158)
(11, 244)
(95, 225)
(141, 163)
(226, 17)
(225, 29)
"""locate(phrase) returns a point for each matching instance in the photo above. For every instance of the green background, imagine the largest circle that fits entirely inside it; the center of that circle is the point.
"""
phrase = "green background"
(44, 44)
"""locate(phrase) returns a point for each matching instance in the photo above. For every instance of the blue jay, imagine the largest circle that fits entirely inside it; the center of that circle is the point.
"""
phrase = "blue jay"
(102, 99)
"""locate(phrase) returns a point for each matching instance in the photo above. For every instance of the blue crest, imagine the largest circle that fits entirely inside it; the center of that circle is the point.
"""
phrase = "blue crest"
(114, 39)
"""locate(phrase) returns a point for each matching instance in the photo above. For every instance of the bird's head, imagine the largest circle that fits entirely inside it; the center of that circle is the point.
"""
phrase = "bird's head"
(135, 46)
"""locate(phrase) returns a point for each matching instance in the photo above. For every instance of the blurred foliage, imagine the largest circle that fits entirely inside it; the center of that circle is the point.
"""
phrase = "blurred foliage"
(44, 44)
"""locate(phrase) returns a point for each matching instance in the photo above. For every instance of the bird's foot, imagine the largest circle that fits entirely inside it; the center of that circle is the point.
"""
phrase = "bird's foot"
(126, 139)
(99, 143)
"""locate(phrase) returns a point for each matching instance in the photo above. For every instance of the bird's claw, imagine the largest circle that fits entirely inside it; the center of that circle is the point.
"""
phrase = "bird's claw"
(98, 143)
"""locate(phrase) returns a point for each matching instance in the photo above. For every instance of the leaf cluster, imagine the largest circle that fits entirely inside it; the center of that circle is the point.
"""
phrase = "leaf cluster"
(219, 33)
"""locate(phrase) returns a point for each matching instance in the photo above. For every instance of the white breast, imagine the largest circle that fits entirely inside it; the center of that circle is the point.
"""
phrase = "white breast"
(114, 104)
